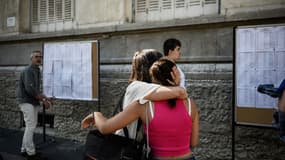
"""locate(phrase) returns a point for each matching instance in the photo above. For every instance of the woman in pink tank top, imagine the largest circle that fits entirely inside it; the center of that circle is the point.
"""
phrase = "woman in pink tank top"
(172, 126)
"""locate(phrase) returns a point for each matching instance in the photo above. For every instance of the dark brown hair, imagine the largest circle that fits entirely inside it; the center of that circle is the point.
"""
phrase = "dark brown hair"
(160, 72)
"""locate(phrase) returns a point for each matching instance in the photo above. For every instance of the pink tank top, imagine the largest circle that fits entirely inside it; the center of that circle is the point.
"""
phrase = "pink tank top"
(170, 129)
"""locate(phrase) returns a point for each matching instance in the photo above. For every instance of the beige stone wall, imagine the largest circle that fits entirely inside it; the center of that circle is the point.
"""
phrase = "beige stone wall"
(90, 13)
(24, 11)
(9, 9)
(230, 7)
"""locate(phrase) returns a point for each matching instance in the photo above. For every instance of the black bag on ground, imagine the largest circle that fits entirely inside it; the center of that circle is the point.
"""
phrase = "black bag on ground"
(112, 146)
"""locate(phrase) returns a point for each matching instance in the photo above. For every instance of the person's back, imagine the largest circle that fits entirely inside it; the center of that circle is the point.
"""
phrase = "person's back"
(170, 129)
(140, 84)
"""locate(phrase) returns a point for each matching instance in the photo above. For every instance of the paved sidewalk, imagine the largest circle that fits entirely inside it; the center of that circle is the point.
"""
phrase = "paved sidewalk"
(52, 148)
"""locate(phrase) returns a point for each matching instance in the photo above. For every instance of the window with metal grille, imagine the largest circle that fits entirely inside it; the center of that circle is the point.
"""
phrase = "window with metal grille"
(141, 6)
(166, 4)
(159, 10)
(51, 11)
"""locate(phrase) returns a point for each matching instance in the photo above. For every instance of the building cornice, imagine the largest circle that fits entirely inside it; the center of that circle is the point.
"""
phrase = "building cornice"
(248, 18)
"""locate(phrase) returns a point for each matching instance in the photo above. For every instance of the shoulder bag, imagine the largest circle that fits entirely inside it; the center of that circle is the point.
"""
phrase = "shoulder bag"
(112, 146)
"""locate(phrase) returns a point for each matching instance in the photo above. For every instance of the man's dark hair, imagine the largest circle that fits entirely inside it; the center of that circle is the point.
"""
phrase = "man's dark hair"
(170, 44)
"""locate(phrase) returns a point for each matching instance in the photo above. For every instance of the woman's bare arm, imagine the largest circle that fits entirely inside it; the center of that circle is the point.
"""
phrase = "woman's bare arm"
(195, 124)
(132, 112)
(164, 93)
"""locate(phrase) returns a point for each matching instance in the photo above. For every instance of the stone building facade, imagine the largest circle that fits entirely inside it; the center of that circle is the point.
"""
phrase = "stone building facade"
(207, 60)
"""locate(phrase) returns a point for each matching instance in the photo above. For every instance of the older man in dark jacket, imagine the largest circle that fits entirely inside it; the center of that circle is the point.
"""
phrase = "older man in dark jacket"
(28, 97)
